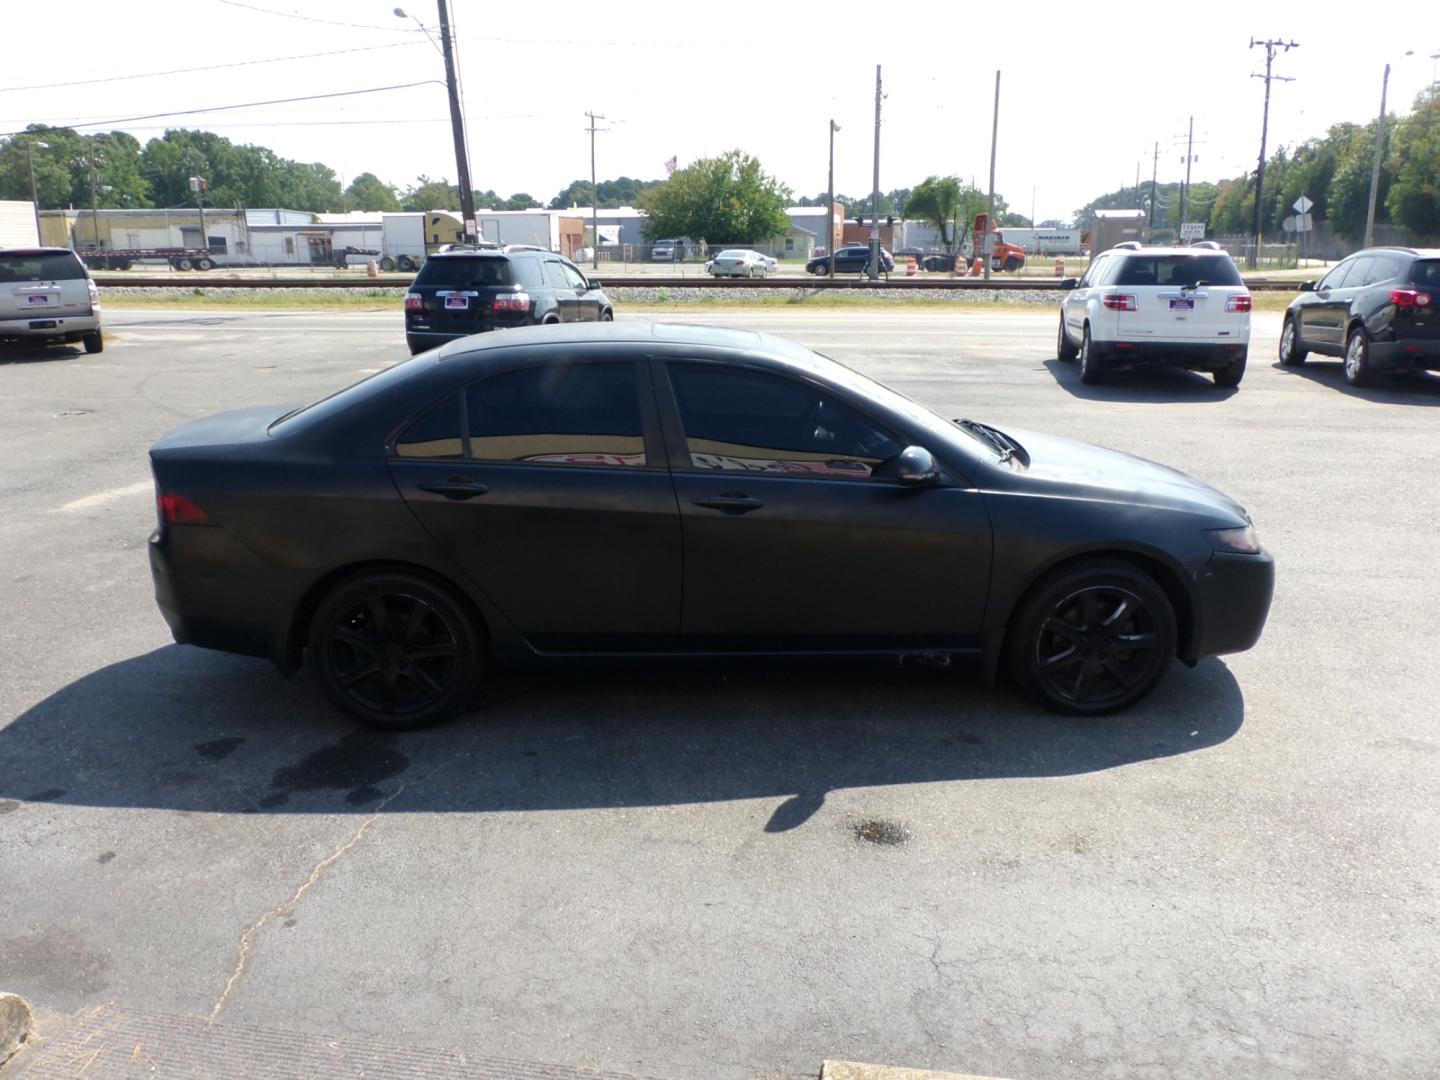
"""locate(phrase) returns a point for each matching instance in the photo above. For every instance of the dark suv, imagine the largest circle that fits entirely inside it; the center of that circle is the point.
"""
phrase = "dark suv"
(1379, 309)
(850, 259)
(463, 292)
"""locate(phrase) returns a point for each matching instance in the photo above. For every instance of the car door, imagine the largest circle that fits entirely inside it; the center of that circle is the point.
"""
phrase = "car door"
(1077, 300)
(793, 539)
(1323, 325)
(547, 484)
(587, 300)
(567, 301)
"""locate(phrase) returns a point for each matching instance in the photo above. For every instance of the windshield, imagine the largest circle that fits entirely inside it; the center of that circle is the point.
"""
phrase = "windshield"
(43, 266)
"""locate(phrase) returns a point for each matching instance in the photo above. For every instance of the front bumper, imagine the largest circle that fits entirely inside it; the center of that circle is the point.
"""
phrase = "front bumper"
(1232, 600)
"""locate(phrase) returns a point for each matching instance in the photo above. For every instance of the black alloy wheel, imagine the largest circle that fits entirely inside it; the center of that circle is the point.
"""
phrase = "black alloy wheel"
(1291, 355)
(395, 651)
(1093, 638)
(1092, 368)
(1065, 350)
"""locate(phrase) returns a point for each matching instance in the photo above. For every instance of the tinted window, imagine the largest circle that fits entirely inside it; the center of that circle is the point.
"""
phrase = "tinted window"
(1093, 271)
(1358, 273)
(434, 435)
(748, 421)
(527, 271)
(574, 277)
(1426, 273)
(465, 273)
(1383, 268)
(555, 275)
(56, 266)
(563, 414)
(1177, 270)
(1336, 278)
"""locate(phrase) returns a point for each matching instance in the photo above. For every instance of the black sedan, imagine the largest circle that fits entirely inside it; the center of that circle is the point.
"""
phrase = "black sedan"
(633, 489)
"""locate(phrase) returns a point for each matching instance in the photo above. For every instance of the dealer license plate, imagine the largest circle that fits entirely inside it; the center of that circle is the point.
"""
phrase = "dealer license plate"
(454, 303)
(37, 301)
(1182, 303)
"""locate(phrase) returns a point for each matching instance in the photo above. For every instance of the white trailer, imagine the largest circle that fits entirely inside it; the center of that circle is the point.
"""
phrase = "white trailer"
(402, 244)
(17, 225)
(1046, 241)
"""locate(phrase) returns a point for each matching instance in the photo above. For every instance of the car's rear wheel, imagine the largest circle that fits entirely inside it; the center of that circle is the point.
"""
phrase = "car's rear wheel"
(1291, 355)
(1231, 375)
(1358, 371)
(1092, 368)
(94, 342)
(1093, 637)
(394, 650)
(1064, 348)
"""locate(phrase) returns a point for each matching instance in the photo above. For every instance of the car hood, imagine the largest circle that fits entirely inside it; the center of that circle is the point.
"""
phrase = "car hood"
(1078, 468)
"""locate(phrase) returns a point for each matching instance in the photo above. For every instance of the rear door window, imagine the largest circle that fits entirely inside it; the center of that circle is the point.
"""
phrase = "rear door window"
(559, 414)
(555, 275)
(526, 269)
(41, 266)
(574, 277)
(1178, 270)
(1383, 268)
(1359, 273)
(1426, 273)
(1335, 279)
(437, 434)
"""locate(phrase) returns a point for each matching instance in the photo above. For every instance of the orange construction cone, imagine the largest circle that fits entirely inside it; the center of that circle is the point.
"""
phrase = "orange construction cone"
(977, 268)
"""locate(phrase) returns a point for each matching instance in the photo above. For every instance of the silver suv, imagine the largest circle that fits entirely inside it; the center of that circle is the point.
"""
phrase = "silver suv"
(47, 297)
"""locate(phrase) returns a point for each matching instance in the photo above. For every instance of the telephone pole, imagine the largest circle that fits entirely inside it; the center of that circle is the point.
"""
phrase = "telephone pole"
(875, 198)
(457, 128)
(1185, 187)
(990, 208)
(594, 195)
(830, 206)
(1154, 175)
(1270, 45)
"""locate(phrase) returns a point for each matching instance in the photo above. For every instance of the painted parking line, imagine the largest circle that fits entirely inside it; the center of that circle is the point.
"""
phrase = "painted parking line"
(100, 498)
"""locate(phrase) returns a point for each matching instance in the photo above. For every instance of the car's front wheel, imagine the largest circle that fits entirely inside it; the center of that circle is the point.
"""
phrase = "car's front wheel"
(1358, 371)
(1231, 374)
(395, 650)
(1065, 349)
(1291, 354)
(1092, 368)
(1092, 637)
(607, 315)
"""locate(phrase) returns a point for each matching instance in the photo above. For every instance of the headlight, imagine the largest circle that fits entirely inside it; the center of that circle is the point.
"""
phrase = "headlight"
(1242, 540)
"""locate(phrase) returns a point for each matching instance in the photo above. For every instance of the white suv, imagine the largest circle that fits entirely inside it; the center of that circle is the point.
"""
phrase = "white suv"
(47, 296)
(1183, 307)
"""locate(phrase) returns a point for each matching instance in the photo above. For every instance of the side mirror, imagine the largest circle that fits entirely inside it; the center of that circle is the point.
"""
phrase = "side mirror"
(917, 467)
(591, 285)
(1307, 286)
(1070, 283)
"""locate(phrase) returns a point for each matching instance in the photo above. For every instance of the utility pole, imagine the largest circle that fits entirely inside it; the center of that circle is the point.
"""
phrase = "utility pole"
(94, 201)
(1154, 175)
(875, 200)
(457, 127)
(594, 195)
(990, 213)
(30, 145)
(1185, 187)
(1270, 46)
(830, 205)
(1375, 165)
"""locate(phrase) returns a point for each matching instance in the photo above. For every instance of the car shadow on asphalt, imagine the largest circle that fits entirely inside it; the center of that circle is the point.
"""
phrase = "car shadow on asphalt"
(1408, 388)
(38, 354)
(184, 729)
(1145, 385)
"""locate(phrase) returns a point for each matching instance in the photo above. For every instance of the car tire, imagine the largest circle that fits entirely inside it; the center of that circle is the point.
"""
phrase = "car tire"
(1065, 350)
(1092, 637)
(395, 650)
(608, 315)
(94, 342)
(1230, 375)
(1358, 370)
(1092, 368)
(406, 263)
(1291, 354)
(819, 270)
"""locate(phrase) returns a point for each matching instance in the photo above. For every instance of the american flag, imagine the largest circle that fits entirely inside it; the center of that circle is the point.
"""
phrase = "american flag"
(670, 166)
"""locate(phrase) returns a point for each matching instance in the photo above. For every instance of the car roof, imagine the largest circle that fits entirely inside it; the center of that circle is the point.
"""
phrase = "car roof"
(631, 331)
(33, 250)
(1190, 251)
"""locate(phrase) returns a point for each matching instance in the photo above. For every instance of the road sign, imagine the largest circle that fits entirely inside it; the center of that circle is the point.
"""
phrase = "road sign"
(1303, 205)
(1303, 223)
(1288, 224)
(1192, 230)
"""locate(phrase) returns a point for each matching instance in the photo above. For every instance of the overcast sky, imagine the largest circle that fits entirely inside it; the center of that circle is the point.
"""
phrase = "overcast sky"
(1086, 90)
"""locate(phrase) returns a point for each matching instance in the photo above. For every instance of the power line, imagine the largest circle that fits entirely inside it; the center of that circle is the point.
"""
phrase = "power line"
(208, 67)
(311, 18)
(243, 105)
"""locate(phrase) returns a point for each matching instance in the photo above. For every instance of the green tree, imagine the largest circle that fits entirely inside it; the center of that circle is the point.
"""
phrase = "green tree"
(368, 192)
(727, 199)
(936, 201)
(430, 194)
(622, 191)
(1348, 198)
(1414, 198)
(521, 200)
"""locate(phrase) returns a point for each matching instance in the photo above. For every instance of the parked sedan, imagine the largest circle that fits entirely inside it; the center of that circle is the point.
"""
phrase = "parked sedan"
(603, 489)
(738, 262)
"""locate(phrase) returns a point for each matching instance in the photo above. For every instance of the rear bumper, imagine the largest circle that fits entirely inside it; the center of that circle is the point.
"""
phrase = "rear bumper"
(1193, 355)
(1405, 355)
(1232, 601)
(58, 327)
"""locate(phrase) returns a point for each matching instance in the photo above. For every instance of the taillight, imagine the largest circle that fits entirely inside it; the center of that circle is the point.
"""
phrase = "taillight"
(414, 302)
(1409, 298)
(178, 510)
(94, 292)
(1120, 302)
(512, 302)
(1238, 303)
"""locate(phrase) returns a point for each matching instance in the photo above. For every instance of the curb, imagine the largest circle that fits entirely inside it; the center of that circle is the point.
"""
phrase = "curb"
(855, 1070)
(15, 1019)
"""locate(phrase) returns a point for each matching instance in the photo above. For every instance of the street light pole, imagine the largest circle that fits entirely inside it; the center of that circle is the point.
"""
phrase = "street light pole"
(830, 204)
(875, 199)
(990, 210)
(1379, 152)
(594, 196)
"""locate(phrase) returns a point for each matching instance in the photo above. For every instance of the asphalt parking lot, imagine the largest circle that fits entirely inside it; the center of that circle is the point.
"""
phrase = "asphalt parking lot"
(736, 872)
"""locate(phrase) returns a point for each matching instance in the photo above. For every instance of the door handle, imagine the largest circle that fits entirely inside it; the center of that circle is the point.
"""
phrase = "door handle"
(731, 504)
(455, 488)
